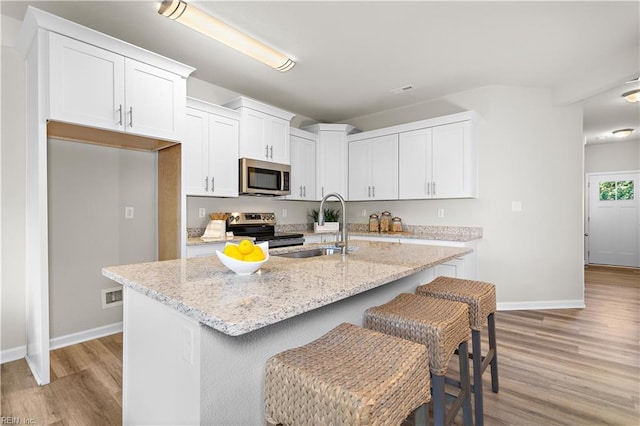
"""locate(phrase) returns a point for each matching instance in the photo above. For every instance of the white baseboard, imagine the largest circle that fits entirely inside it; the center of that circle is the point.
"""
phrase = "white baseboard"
(13, 354)
(546, 304)
(19, 352)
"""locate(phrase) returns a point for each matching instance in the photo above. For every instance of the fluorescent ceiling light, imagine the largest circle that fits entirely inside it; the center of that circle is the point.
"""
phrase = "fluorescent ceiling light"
(632, 95)
(622, 133)
(196, 19)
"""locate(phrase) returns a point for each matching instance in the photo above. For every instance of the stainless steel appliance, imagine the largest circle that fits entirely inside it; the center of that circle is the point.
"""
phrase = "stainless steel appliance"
(261, 226)
(263, 177)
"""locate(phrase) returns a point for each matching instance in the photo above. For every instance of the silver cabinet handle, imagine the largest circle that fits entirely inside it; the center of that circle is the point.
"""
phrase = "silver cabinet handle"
(206, 184)
(120, 115)
(373, 191)
(271, 149)
(427, 187)
(266, 151)
(213, 186)
(301, 191)
(369, 191)
(305, 190)
(322, 192)
(130, 116)
(433, 188)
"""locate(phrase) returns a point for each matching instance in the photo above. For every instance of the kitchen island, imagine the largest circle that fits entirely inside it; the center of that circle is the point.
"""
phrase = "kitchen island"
(197, 336)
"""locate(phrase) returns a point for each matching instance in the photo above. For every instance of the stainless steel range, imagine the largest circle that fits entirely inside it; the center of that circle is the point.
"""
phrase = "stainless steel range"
(261, 226)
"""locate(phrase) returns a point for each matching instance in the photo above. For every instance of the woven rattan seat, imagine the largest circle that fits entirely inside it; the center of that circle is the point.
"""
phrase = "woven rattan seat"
(349, 376)
(478, 295)
(443, 327)
(481, 299)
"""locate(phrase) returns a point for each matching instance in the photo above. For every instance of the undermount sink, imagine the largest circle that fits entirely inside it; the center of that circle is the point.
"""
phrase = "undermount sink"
(315, 252)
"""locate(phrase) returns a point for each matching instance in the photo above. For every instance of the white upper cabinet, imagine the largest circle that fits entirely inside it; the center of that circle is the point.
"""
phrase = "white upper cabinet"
(94, 87)
(210, 151)
(264, 131)
(332, 158)
(303, 165)
(437, 162)
(373, 168)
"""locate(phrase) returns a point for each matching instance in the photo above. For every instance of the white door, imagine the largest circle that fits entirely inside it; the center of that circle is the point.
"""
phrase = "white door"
(614, 219)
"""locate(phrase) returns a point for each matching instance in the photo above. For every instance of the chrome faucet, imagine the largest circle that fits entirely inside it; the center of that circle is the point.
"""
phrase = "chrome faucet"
(342, 244)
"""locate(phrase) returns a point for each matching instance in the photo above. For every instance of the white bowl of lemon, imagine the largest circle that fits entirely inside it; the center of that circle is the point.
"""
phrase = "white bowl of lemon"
(245, 257)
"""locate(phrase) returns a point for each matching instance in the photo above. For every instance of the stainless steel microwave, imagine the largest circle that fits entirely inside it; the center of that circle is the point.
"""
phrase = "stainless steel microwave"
(264, 178)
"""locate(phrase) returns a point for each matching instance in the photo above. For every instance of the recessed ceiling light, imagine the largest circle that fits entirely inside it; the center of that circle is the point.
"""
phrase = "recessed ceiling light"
(403, 89)
(632, 95)
(622, 133)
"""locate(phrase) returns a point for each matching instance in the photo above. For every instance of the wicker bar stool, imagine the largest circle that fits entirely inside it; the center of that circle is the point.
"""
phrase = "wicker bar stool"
(442, 326)
(481, 299)
(349, 376)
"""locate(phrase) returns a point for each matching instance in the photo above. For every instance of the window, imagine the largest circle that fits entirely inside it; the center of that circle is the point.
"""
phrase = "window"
(616, 190)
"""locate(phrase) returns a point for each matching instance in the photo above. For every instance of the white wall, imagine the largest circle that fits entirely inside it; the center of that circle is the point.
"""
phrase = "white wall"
(612, 156)
(89, 188)
(529, 151)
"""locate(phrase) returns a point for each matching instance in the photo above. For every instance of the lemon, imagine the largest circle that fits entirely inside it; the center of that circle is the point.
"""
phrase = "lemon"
(233, 252)
(245, 247)
(257, 255)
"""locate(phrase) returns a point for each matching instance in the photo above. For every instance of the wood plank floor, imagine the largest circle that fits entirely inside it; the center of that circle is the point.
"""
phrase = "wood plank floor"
(557, 367)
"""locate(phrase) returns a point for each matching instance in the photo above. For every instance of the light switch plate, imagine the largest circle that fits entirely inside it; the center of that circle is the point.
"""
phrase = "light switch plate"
(128, 212)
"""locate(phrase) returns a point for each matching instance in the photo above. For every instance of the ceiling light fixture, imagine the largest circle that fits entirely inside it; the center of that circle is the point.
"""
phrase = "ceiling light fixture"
(198, 20)
(622, 133)
(632, 95)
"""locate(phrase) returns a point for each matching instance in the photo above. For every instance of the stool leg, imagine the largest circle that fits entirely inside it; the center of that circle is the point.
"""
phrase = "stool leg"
(491, 320)
(421, 415)
(464, 383)
(477, 377)
(438, 396)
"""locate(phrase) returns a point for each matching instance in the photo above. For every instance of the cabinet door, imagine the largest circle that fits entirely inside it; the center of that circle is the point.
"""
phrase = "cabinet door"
(384, 167)
(451, 161)
(360, 181)
(332, 164)
(303, 169)
(253, 131)
(414, 177)
(223, 156)
(278, 140)
(86, 84)
(195, 153)
(155, 101)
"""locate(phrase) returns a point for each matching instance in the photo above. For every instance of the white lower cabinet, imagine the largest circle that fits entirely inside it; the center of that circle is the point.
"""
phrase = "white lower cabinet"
(210, 151)
(462, 267)
(202, 250)
(320, 238)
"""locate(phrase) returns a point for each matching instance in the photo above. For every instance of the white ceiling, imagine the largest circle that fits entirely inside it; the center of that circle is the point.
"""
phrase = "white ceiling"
(351, 54)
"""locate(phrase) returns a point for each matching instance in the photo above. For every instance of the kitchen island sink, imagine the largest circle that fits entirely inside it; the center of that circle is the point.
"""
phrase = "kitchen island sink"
(197, 336)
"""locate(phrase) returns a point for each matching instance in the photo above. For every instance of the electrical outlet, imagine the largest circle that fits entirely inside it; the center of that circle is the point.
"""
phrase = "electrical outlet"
(284, 212)
(364, 212)
(128, 212)
(202, 212)
(516, 206)
(440, 212)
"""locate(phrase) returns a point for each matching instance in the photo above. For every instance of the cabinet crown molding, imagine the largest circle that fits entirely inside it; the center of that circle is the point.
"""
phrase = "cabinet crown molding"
(212, 108)
(36, 19)
(331, 127)
(415, 125)
(243, 101)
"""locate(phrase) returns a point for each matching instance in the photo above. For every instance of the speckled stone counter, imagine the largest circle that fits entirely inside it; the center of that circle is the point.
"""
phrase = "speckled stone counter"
(203, 289)
(197, 337)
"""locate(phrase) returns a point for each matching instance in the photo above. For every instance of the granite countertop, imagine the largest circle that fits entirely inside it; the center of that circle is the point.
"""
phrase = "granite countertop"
(418, 232)
(198, 241)
(205, 290)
